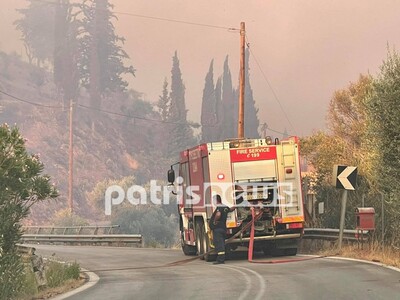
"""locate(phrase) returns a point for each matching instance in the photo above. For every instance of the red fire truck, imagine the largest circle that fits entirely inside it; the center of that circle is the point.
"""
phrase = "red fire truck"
(259, 174)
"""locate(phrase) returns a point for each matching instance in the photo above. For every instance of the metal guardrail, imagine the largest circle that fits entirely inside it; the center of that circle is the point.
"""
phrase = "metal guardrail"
(25, 250)
(90, 229)
(75, 235)
(82, 239)
(330, 234)
(79, 235)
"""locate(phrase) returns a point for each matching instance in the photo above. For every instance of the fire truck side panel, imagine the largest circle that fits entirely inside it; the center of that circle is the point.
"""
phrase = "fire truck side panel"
(185, 208)
(207, 191)
(290, 182)
(196, 179)
(221, 180)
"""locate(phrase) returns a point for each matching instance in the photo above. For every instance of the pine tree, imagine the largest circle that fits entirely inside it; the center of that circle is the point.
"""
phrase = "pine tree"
(37, 29)
(66, 74)
(102, 64)
(251, 122)
(209, 108)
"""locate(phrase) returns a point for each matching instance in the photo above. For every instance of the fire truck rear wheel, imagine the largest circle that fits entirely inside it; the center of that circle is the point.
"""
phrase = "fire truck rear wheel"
(207, 246)
(199, 238)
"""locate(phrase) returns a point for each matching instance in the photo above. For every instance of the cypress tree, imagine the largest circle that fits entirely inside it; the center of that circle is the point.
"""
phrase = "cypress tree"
(181, 134)
(217, 134)
(208, 109)
(251, 121)
(228, 104)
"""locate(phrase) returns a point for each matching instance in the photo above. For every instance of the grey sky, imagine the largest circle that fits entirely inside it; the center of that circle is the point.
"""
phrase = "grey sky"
(307, 49)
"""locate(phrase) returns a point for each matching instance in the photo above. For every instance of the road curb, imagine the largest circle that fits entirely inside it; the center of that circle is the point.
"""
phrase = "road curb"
(93, 279)
(365, 261)
(358, 260)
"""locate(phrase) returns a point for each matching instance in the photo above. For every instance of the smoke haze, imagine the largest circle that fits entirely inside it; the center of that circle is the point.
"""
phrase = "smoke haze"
(306, 49)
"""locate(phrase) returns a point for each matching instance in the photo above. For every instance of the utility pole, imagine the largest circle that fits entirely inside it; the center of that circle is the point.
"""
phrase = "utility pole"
(71, 158)
(241, 81)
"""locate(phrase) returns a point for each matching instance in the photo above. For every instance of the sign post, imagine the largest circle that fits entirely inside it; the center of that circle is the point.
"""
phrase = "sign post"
(344, 177)
(342, 217)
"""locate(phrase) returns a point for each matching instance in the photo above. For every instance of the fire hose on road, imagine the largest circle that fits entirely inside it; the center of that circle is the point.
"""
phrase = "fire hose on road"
(250, 225)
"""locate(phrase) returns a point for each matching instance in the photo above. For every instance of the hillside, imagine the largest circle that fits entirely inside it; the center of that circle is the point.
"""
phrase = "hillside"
(106, 146)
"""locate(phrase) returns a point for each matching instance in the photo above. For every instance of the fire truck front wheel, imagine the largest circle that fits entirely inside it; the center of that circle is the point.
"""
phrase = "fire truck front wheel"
(187, 249)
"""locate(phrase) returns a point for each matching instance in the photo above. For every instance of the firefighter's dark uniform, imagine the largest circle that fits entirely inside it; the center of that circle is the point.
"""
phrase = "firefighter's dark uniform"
(219, 233)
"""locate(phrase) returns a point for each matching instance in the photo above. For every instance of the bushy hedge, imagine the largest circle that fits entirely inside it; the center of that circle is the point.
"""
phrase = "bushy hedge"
(21, 185)
(57, 273)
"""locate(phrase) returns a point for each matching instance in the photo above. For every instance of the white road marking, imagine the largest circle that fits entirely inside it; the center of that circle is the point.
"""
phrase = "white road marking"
(244, 294)
(261, 290)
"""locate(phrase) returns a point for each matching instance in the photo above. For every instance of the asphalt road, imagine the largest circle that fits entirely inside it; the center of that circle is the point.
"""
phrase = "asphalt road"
(135, 273)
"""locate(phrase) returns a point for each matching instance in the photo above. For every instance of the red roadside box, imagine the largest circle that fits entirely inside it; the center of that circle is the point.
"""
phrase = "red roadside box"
(365, 218)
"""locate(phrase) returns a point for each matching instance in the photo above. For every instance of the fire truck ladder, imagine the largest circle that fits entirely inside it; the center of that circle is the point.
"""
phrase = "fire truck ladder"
(290, 189)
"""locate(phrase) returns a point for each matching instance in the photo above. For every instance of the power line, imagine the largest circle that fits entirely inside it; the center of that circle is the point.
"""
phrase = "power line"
(93, 108)
(114, 113)
(29, 102)
(157, 18)
(177, 21)
(270, 86)
(131, 116)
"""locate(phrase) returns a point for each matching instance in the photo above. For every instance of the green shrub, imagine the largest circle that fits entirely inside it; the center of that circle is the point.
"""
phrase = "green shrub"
(29, 285)
(11, 275)
(21, 185)
(72, 271)
(57, 273)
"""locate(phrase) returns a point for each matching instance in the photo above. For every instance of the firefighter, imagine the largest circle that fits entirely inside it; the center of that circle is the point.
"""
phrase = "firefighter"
(218, 226)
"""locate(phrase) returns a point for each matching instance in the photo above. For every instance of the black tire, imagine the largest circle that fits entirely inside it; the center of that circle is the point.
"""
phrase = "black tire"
(278, 252)
(207, 246)
(187, 249)
(199, 238)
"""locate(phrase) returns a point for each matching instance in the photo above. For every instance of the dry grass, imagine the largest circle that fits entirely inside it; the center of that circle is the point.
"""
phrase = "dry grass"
(370, 252)
(66, 287)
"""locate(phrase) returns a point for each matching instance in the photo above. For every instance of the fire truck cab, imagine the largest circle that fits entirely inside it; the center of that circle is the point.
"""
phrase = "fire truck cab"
(259, 174)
